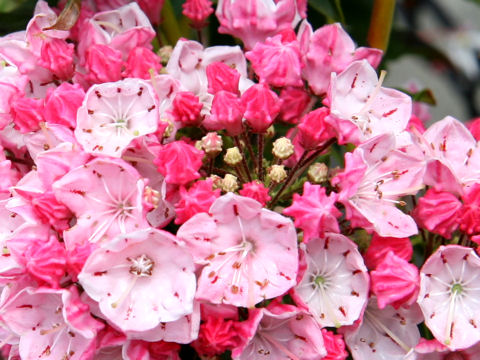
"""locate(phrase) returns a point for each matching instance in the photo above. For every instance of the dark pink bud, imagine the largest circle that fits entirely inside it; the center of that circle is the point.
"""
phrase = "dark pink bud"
(256, 190)
(186, 108)
(226, 113)
(380, 246)
(222, 77)
(139, 63)
(27, 113)
(197, 11)
(57, 56)
(62, 103)
(262, 106)
(314, 130)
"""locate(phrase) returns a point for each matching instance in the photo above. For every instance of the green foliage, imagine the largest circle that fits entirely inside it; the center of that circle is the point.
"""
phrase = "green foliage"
(331, 9)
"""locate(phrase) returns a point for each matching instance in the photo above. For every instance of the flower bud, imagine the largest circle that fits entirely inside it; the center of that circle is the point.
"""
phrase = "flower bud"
(165, 52)
(277, 173)
(233, 156)
(317, 173)
(229, 183)
(212, 144)
(283, 148)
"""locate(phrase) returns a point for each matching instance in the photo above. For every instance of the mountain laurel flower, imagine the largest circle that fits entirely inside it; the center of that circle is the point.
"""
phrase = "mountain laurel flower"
(262, 106)
(197, 11)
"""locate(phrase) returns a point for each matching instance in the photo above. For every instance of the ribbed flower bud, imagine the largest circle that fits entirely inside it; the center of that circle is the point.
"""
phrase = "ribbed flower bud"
(317, 173)
(229, 183)
(277, 173)
(283, 148)
(212, 144)
(233, 156)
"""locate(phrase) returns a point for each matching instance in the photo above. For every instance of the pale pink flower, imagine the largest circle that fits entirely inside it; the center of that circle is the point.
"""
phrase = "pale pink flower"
(334, 287)
(434, 350)
(277, 62)
(375, 176)
(122, 29)
(449, 288)
(254, 20)
(113, 114)
(438, 212)
(314, 212)
(380, 246)
(285, 333)
(386, 333)
(106, 197)
(250, 253)
(360, 108)
(51, 324)
(452, 156)
(329, 49)
(395, 282)
(121, 276)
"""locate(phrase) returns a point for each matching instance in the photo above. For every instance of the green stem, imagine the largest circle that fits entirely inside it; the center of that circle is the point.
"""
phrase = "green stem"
(169, 24)
(381, 24)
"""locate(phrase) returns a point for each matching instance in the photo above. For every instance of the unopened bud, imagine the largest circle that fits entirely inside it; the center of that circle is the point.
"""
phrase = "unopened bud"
(283, 148)
(212, 144)
(165, 52)
(317, 173)
(216, 182)
(199, 145)
(277, 173)
(229, 183)
(270, 132)
(233, 156)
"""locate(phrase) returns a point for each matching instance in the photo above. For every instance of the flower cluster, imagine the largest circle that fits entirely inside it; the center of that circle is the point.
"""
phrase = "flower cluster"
(258, 202)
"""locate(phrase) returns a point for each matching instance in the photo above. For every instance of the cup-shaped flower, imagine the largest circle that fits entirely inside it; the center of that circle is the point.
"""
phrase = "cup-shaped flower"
(250, 253)
(141, 279)
(113, 114)
(449, 291)
(335, 283)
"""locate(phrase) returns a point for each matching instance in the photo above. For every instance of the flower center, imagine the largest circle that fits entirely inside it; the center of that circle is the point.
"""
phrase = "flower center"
(457, 289)
(319, 280)
(141, 266)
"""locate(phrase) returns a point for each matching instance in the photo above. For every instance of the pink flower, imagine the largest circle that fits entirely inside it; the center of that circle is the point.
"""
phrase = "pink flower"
(380, 246)
(335, 346)
(276, 62)
(141, 61)
(104, 64)
(255, 20)
(198, 198)
(375, 176)
(152, 9)
(438, 212)
(295, 102)
(50, 211)
(329, 49)
(113, 114)
(334, 287)
(27, 113)
(222, 77)
(197, 11)
(262, 106)
(57, 56)
(313, 130)
(468, 215)
(40, 252)
(314, 212)
(284, 332)
(171, 160)
(226, 113)
(186, 108)
(62, 103)
(257, 191)
(448, 296)
(384, 333)
(121, 276)
(250, 253)
(395, 282)
(106, 197)
(360, 108)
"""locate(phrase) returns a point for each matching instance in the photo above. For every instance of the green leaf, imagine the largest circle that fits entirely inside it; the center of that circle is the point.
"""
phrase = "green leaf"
(7, 6)
(331, 9)
(425, 95)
